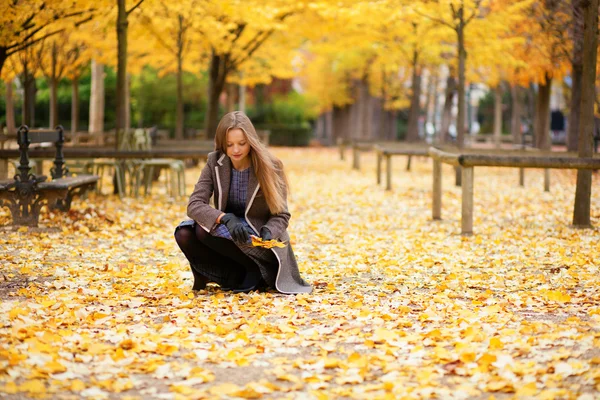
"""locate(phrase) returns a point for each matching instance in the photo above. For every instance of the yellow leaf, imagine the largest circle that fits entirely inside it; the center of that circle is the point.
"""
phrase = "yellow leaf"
(357, 360)
(384, 335)
(182, 389)
(556, 295)
(10, 388)
(166, 349)
(467, 357)
(496, 343)
(54, 367)
(224, 389)
(248, 393)
(267, 244)
(127, 344)
(34, 386)
(529, 389)
(77, 385)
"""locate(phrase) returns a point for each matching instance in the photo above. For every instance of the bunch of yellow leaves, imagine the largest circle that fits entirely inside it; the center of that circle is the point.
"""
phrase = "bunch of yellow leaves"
(267, 244)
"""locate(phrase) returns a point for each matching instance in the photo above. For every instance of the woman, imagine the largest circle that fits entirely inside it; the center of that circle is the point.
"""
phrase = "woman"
(249, 189)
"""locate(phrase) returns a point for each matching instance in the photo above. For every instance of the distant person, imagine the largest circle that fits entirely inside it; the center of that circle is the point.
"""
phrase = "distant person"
(249, 188)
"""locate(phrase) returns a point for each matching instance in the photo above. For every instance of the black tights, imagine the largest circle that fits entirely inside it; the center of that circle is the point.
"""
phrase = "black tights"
(215, 259)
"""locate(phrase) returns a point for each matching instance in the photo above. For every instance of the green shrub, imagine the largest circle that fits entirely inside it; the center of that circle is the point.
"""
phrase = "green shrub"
(288, 135)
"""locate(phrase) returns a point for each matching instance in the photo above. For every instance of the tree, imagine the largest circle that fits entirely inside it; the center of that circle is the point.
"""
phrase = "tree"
(581, 212)
(55, 56)
(234, 36)
(174, 32)
(121, 103)
(24, 23)
(546, 53)
(456, 16)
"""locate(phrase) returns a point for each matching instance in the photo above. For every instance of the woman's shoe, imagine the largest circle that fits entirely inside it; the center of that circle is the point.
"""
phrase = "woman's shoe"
(200, 281)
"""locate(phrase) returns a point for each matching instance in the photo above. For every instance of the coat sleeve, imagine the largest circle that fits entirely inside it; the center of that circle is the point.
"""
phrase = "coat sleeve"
(278, 223)
(198, 207)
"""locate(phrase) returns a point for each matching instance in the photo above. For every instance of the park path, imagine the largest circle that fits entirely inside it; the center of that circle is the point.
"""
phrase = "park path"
(97, 303)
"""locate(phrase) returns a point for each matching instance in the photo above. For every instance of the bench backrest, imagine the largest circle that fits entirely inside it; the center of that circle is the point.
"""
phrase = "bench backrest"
(26, 136)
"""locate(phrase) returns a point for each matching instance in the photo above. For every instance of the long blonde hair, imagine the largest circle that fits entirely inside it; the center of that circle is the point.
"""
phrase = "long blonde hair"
(267, 168)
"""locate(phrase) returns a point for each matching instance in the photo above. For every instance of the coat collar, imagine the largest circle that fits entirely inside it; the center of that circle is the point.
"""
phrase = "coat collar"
(223, 169)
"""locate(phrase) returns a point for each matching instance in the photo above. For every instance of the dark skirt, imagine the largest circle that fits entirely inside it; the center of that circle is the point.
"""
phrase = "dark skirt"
(224, 274)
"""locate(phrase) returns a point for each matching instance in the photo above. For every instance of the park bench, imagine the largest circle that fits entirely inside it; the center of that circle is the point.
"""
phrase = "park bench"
(387, 151)
(359, 146)
(468, 160)
(26, 194)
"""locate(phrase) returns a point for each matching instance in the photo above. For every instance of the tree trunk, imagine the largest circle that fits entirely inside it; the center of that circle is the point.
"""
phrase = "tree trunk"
(121, 71)
(53, 103)
(179, 120)
(542, 115)
(74, 105)
(363, 109)
(217, 75)
(231, 91)
(3, 58)
(242, 98)
(127, 104)
(10, 108)
(515, 117)
(412, 134)
(29, 92)
(497, 114)
(462, 57)
(431, 97)
(575, 112)
(576, 74)
(53, 81)
(583, 192)
(436, 105)
(444, 135)
(96, 124)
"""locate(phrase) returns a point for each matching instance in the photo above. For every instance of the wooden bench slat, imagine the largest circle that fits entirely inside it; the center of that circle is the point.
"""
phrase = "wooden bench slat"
(43, 136)
(68, 182)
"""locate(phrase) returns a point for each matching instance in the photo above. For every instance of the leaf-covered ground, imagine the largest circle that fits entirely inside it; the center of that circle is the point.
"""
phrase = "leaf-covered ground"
(96, 303)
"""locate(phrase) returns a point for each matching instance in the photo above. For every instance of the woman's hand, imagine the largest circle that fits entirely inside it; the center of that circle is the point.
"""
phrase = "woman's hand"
(265, 233)
(235, 227)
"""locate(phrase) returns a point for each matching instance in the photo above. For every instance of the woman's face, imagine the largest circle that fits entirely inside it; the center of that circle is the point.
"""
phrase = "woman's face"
(238, 147)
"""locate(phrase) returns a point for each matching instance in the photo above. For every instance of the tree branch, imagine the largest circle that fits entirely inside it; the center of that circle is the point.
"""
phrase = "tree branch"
(24, 45)
(134, 7)
(158, 37)
(439, 21)
(477, 3)
(25, 24)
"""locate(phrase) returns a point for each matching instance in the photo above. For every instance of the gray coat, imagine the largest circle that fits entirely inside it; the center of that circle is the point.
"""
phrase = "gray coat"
(214, 181)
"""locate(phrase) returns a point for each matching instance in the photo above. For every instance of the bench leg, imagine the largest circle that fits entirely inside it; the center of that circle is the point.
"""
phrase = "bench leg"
(79, 191)
(355, 159)
(25, 205)
(174, 180)
(120, 180)
(3, 169)
(521, 177)
(136, 177)
(437, 190)
(408, 163)
(546, 180)
(379, 160)
(342, 151)
(181, 176)
(467, 200)
(149, 174)
(388, 172)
